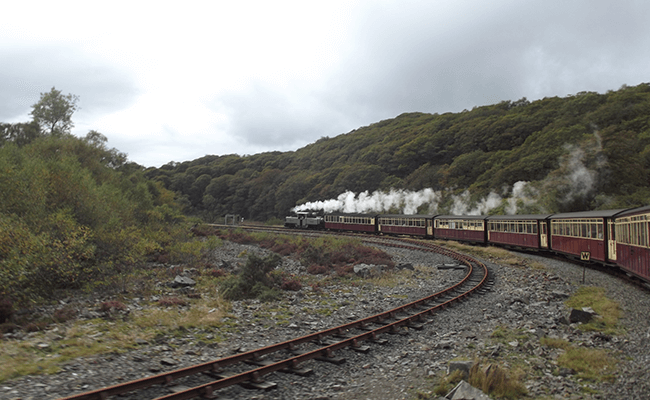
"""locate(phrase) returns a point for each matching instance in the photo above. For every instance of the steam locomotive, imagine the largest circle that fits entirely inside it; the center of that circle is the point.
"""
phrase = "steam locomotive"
(615, 238)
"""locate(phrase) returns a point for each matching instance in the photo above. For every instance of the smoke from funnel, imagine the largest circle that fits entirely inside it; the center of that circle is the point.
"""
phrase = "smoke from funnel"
(406, 201)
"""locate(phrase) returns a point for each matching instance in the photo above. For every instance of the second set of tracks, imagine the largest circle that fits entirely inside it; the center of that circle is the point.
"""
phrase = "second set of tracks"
(251, 367)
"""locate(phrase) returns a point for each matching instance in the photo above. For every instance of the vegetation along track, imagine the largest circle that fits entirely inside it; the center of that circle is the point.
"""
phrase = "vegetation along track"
(250, 367)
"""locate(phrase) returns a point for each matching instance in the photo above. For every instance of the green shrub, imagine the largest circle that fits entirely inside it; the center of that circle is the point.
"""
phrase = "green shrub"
(254, 280)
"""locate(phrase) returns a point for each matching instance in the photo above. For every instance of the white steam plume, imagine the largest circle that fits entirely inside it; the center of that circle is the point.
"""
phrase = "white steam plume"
(406, 201)
(522, 194)
(580, 178)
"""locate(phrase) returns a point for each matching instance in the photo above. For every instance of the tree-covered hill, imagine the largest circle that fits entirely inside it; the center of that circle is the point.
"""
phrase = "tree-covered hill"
(586, 151)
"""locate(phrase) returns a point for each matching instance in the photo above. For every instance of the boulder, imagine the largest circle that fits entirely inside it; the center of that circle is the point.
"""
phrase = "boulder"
(583, 316)
(365, 270)
(182, 281)
(465, 391)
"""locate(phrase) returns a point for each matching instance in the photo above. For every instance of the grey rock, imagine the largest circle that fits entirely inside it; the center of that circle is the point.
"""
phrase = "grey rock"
(182, 281)
(366, 271)
(168, 361)
(580, 316)
(465, 391)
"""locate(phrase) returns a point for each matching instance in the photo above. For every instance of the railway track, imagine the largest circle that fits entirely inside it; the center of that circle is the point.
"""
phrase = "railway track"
(251, 367)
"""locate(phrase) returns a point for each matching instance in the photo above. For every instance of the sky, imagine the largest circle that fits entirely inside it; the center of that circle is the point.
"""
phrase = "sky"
(175, 81)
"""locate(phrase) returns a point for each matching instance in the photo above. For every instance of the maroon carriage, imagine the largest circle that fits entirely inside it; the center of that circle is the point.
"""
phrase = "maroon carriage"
(584, 234)
(525, 231)
(351, 222)
(416, 225)
(467, 228)
(633, 242)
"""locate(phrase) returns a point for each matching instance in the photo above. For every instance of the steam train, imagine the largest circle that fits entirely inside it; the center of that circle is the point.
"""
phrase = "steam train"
(614, 238)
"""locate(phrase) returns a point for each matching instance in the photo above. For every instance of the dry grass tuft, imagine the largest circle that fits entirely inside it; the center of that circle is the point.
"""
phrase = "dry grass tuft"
(497, 381)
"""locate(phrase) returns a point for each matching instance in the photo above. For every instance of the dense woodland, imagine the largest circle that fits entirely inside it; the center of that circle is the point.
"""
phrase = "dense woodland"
(548, 143)
(75, 214)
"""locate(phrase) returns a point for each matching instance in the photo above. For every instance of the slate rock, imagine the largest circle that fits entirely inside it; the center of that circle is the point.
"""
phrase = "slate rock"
(182, 281)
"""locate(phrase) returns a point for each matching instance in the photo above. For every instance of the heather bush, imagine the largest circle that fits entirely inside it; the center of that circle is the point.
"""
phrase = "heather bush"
(171, 301)
(8, 327)
(217, 272)
(112, 305)
(64, 314)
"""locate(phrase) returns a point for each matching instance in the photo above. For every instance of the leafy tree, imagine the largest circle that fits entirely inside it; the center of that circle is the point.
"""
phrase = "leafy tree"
(53, 112)
(20, 133)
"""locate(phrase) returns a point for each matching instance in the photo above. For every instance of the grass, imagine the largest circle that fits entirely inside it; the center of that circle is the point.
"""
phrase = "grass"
(493, 379)
(608, 310)
(203, 314)
(495, 254)
(444, 386)
(43, 354)
(45, 351)
(593, 365)
(503, 334)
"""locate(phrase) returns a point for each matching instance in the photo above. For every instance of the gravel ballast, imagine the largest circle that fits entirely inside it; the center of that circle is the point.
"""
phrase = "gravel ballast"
(523, 299)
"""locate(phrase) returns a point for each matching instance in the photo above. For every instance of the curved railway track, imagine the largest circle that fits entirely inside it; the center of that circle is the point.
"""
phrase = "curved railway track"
(250, 367)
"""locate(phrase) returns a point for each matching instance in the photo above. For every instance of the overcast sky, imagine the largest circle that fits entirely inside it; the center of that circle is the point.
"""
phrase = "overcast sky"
(174, 81)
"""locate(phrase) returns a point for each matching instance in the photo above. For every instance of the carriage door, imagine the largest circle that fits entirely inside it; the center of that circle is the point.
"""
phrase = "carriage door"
(429, 226)
(611, 240)
(543, 235)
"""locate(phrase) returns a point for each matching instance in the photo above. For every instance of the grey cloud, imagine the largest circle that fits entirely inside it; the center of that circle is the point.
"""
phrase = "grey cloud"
(265, 118)
(431, 58)
(29, 71)
(515, 50)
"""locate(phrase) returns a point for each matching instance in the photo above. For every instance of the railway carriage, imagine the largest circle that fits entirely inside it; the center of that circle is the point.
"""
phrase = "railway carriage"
(633, 241)
(351, 222)
(587, 235)
(468, 228)
(394, 224)
(525, 231)
(618, 238)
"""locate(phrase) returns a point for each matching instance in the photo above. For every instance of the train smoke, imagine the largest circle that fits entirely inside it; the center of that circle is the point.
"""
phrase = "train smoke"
(427, 200)
(407, 202)
(463, 206)
(523, 194)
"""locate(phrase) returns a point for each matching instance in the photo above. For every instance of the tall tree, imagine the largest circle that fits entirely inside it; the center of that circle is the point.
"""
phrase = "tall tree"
(53, 112)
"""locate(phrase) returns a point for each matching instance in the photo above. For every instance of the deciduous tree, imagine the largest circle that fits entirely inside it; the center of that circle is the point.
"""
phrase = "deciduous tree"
(53, 112)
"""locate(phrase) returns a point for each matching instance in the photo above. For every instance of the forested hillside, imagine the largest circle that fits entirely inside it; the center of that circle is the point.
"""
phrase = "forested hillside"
(584, 151)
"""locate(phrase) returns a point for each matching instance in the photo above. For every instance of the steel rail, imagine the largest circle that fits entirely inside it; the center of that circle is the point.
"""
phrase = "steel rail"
(254, 375)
